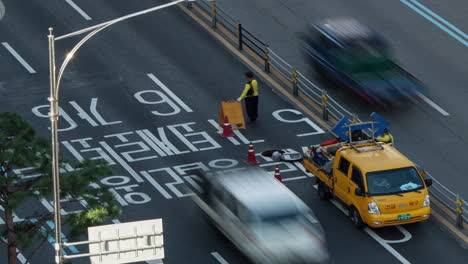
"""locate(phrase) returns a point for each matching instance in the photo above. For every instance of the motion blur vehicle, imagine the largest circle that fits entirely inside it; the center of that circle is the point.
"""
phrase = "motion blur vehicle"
(262, 217)
(380, 186)
(350, 53)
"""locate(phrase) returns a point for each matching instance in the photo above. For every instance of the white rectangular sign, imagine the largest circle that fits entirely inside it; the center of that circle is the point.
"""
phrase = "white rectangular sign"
(127, 242)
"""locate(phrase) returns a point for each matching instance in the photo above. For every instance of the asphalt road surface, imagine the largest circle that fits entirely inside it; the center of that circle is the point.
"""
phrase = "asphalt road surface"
(429, 40)
(144, 95)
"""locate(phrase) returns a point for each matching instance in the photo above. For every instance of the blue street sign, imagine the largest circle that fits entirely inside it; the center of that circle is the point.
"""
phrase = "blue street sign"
(340, 129)
(381, 124)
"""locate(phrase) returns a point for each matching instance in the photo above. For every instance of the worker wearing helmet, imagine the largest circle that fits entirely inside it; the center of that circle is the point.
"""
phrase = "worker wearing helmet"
(386, 137)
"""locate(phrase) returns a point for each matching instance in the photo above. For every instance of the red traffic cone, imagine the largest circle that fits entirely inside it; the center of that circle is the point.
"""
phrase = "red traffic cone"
(251, 159)
(227, 130)
(277, 174)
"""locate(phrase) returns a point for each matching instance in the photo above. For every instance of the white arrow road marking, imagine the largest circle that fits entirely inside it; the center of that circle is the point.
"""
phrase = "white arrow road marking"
(18, 57)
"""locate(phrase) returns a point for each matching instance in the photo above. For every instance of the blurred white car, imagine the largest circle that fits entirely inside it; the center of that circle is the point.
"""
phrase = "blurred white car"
(262, 217)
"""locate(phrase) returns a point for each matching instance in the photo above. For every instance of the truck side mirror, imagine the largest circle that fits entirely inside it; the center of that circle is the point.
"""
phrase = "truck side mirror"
(421, 171)
(428, 182)
(359, 192)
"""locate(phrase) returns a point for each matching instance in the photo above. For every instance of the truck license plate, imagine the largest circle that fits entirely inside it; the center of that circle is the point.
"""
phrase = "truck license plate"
(404, 217)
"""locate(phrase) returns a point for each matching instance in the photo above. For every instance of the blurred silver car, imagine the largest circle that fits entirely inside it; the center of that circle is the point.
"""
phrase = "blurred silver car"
(262, 217)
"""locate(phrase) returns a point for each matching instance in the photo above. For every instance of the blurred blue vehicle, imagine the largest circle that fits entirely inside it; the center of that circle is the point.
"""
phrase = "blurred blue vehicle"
(346, 51)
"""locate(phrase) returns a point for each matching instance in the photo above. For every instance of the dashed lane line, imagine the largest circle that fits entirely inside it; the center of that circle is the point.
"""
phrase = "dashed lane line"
(78, 9)
(18, 57)
(433, 105)
(218, 257)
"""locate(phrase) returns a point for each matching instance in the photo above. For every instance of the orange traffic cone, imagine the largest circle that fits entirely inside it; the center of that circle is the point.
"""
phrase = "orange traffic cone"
(227, 130)
(277, 174)
(251, 159)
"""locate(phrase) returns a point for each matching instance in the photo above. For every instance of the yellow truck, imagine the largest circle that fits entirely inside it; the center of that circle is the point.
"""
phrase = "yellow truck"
(379, 185)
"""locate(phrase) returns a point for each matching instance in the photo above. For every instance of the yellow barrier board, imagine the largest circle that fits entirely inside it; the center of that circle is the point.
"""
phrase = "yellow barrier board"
(235, 114)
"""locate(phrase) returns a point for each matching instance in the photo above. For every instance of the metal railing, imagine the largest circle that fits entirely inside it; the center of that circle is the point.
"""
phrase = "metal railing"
(301, 85)
(451, 200)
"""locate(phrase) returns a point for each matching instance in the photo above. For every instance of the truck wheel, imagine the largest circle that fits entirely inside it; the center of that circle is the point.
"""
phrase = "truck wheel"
(356, 218)
(322, 191)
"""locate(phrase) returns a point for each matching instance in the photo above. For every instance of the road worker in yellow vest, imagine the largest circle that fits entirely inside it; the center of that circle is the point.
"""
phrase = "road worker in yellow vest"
(250, 96)
(386, 137)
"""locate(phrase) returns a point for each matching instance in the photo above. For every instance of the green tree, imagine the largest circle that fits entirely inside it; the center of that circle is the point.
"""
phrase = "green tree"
(21, 148)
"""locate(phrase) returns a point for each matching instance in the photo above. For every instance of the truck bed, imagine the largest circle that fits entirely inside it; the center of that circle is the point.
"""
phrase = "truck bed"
(313, 164)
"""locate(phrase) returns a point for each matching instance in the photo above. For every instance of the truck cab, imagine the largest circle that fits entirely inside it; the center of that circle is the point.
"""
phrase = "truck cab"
(380, 186)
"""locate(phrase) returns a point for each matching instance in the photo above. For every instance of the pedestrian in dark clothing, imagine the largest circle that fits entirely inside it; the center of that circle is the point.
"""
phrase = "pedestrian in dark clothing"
(250, 94)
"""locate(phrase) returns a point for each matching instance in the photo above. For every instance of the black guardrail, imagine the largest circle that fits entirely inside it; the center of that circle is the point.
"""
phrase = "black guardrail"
(300, 83)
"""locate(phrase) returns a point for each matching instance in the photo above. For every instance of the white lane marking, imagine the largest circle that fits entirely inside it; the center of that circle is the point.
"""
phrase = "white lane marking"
(18, 57)
(454, 28)
(169, 92)
(294, 178)
(218, 257)
(434, 105)
(433, 17)
(382, 242)
(78, 9)
(407, 236)
(20, 257)
(386, 246)
(216, 125)
(121, 161)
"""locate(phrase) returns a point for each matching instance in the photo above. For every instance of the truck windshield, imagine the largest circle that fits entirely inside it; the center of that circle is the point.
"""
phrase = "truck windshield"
(393, 181)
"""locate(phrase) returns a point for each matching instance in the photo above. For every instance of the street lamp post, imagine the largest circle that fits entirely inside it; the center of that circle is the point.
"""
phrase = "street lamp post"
(53, 99)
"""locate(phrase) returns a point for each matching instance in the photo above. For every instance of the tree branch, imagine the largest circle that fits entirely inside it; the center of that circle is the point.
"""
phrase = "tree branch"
(39, 223)
(36, 249)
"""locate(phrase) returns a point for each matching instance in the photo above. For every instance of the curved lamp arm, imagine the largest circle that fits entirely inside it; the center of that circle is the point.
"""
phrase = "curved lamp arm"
(96, 29)
(70, 56)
